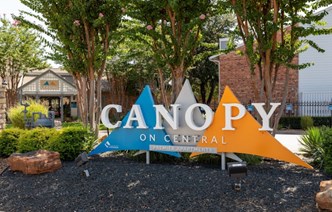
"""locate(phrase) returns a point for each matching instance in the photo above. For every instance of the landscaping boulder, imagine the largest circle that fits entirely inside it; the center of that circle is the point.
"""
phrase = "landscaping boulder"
(35, 162)
(324, 197)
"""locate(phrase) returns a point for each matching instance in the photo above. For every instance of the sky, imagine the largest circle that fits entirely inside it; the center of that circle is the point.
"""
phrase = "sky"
(9, 7)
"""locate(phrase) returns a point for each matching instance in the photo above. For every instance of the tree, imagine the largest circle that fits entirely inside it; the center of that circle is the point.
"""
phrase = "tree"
(82, 31)
(20, 51)
(135, 51)
(273, 33)
(130, 66)
(174, 27)
(204, 72)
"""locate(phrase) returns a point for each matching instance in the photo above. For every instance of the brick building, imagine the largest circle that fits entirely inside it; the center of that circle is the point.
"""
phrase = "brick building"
(234, 72)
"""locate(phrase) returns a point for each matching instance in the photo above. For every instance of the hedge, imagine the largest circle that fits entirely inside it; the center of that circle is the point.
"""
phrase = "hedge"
(35, 139)
(9, 140)
(294, 122)
(69, 141)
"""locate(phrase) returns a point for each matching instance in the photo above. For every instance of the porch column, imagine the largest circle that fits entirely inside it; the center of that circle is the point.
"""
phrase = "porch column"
(61, 107)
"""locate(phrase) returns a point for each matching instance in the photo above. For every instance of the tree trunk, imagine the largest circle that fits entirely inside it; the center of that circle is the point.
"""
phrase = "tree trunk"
(213, 87)
(162, 88)
(82, 90)
(203, 92)
(283, 103)
(177, 81)
(11, 97)
(99, 104)
(92, 101)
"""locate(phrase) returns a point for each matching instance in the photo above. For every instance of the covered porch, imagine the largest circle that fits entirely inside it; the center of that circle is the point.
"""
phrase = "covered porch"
(53, 91)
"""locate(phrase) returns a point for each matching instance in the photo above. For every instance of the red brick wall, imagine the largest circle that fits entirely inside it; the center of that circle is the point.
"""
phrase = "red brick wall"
(234, 72)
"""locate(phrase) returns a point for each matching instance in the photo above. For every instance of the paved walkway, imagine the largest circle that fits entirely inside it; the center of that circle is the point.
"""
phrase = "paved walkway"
(290, 141)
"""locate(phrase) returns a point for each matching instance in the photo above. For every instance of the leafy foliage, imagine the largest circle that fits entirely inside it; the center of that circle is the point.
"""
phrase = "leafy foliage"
(20, 51)
(250, 159)
(82, 34)
(271, 32)
(9, 140)
(16, 114)
(204, 72)
(327, 149)
(312, 144)
(130, 65)
(72, 124)
(71, 142)
(294, 122)
(174, 28)
(35, 139)
(317, 144)
(321, 121)
(306, 122)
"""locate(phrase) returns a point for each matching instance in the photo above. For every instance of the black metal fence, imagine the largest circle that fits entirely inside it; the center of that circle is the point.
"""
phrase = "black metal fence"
(309, 108)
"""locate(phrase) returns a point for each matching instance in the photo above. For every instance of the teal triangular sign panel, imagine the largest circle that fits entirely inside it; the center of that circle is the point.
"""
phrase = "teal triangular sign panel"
(46, 83)
(131, 139)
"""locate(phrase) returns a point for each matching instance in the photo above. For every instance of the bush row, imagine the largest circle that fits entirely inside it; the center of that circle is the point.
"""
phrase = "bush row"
(317, 144)
(80, 124)
(69, 142)
(295, 122)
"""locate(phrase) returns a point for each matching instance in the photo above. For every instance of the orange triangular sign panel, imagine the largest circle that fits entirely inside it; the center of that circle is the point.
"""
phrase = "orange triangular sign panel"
(246, 138)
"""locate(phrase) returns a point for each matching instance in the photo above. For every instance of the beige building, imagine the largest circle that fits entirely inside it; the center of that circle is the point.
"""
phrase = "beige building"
(53, 88)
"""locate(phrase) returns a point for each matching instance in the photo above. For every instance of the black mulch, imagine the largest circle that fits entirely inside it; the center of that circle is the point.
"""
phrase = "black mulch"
(120, 184)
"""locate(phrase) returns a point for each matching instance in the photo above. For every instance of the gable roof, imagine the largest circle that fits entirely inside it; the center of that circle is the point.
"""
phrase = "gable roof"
(43, 74)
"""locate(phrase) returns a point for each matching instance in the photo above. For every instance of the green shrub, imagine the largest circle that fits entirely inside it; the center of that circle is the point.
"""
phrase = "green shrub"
(71, 142)
(72, 124)
(321, 121)
(290, 122)
(35, 139)
(80, 124)
(312, 144)
(295, 122)
(327, 149)
(9, 140)
(306, 122)
(250, 159)
(8, 126)
(212, 159)
(102, 127)
(16, 114)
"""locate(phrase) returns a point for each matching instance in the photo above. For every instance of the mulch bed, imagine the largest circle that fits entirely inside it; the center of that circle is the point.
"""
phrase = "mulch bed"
(121, 184)
(3, 165)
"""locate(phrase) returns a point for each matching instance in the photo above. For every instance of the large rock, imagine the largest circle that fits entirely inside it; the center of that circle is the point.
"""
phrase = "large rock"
(35, 162)
(324, 197)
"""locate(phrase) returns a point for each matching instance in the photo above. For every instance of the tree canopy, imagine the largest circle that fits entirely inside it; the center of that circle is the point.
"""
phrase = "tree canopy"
(21, 51)
(273, 33)
(175, 29)
(81, 33)
(205, 73)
